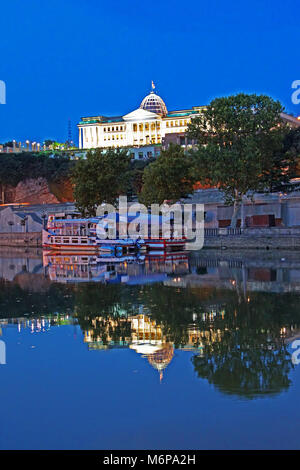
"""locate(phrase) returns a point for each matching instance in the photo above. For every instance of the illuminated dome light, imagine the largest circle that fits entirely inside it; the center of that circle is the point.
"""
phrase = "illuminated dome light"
(155, 104)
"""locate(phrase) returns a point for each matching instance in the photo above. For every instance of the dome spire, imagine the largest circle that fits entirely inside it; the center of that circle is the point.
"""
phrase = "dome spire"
(154, 103)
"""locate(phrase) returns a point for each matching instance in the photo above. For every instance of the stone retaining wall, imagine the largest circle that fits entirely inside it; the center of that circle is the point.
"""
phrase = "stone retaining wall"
(257, 241)
(30, 239)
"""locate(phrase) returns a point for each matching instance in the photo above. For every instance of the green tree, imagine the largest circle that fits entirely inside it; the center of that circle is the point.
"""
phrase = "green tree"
(137, 168)
(240, 146)
(170, 177)
(101, 178)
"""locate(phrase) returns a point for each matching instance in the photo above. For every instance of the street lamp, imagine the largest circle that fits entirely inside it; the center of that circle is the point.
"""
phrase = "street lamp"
(23, 223)
(10, 223)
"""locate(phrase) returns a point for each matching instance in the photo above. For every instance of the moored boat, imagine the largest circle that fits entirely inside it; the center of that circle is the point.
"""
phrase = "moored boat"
(89, 235)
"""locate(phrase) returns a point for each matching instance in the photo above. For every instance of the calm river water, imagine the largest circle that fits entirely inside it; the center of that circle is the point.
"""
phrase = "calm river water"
(177, 352)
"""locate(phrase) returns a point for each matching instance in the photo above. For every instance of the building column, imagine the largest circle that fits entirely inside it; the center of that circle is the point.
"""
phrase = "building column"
(80, 142)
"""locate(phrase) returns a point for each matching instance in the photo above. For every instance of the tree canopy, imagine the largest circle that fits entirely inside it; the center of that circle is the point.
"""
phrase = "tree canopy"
(170, 177)
(241, 146)
(101, 178)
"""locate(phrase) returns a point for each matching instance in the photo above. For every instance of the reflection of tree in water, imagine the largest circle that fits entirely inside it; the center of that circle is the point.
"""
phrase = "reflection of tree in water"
(242, 347)
(251, 358)
(17, 302)
(103, 310)
(245, 365)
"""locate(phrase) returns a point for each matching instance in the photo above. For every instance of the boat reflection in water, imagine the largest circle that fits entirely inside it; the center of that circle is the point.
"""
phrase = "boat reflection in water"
(128, 269)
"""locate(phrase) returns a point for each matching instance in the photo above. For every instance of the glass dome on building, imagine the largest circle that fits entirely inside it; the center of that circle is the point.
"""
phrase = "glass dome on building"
(154, 103)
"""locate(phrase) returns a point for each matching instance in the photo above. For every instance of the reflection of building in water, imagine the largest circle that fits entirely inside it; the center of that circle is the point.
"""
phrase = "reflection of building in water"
(158, 356)
(15, 264)
(145, 336)
(161, 358)
(106, 333)
(253, 274)
(147, 339)
(143, 329)
(37, 325)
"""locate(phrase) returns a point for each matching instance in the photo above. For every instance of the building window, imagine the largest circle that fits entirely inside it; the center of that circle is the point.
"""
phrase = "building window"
(153, 127)
(167, 124)
(117, 128)
(147, 126)
(134, 127)
(141, 127)
(171, 123)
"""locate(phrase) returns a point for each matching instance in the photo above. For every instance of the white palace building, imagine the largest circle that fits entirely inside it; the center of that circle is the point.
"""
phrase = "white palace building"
(145, 126)
(144, 130)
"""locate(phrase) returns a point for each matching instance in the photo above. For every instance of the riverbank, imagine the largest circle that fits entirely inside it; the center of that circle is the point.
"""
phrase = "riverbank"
(273, 238)
(237, 242)
(219, 239)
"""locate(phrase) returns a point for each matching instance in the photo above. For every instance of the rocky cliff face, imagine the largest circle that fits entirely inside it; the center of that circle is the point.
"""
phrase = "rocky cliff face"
(39, 191)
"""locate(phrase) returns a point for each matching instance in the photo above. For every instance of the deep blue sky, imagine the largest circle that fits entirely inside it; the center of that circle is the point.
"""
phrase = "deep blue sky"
(71, 58)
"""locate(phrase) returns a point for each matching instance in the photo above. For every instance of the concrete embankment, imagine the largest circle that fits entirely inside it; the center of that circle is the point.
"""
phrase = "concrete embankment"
(30, 239)
(270, 239)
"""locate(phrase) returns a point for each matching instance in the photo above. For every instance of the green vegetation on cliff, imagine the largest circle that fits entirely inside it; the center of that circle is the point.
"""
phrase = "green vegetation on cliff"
(21, 166)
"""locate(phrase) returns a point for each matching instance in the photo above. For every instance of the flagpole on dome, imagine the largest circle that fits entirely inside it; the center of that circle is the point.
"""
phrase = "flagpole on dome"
(152, 86)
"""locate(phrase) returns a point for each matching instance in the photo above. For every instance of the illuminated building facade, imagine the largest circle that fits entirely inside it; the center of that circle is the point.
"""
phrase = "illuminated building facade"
(144, 126)
(151, 125)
